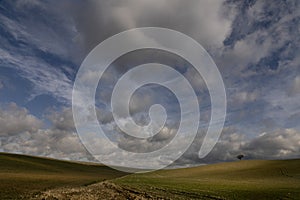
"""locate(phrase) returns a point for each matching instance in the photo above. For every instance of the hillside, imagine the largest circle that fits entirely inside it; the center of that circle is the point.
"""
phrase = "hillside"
(251, 179)
(42, 178)
(22, 176)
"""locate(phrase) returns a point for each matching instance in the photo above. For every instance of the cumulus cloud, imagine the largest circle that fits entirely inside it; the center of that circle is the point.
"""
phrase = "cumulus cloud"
(150, 144)
(21, 132)
(277, 144)
(282, 143)
(62, 120)
(47, 142)
(15, 120)
(61, 141)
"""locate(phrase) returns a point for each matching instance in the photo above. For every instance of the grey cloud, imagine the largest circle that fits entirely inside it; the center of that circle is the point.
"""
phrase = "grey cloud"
(97, 20)
(294, 89)
(104, 116)
(226, 146)
(282, 143)
(63, 120)
(250, 42)
(156, 142)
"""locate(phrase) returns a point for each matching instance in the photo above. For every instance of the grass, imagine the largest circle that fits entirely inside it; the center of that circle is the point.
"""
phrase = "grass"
(23, 176)
(255, 179)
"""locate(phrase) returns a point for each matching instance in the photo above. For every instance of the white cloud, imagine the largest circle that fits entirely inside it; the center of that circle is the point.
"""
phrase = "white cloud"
(15, 120)
(47, 142)
(258, 33)
(62, 142)
(279, 144)
(21, 132)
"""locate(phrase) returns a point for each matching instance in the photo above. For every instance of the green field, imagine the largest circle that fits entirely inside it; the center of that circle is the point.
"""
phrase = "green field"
(255, 179)
(25, 176)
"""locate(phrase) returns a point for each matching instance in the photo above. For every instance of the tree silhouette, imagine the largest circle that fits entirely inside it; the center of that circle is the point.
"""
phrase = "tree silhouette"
(240, 156)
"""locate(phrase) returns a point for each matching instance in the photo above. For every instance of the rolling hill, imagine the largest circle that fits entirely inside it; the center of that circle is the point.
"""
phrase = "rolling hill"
(22, 176)
(42, 178)
(249, 179)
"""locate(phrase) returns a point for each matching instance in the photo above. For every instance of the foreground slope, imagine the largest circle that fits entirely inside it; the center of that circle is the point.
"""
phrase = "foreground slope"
(22, 176)
(255, 179)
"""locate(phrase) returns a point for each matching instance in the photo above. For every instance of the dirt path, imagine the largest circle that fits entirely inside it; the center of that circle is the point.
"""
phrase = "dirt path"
(102, 190)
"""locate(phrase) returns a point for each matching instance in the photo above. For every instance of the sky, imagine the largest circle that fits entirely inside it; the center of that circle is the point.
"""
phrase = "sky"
(255, 45)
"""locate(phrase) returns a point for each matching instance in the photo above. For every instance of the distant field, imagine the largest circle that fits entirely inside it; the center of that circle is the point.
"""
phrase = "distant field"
(22, 176)
(41, 178)
(253, 179)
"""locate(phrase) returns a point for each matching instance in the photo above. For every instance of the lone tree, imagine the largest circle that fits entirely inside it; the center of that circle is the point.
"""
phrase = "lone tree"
(240, 156)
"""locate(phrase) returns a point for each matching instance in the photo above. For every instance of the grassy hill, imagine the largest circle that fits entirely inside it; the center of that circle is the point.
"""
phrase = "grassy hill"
(22, 176)
(255, 179)
(25, 176)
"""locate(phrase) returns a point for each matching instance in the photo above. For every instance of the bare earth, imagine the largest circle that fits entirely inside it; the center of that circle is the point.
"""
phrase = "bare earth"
(102, 190)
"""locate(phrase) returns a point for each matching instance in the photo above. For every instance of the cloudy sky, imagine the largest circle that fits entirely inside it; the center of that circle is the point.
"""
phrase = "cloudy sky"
(255, 44)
